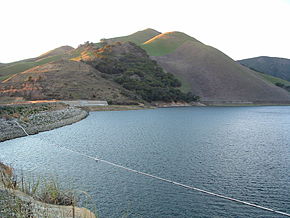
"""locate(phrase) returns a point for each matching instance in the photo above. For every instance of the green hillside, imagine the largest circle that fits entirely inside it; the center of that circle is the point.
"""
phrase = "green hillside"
(277, 81)
(166, 43)
(20, 66)
(277, 67)
(137, 38)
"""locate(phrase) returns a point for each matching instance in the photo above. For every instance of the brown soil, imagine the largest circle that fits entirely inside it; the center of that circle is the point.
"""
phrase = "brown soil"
(61, 80)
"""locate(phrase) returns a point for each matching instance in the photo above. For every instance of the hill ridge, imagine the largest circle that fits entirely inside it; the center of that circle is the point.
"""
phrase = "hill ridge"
(274, 66)
(138, 37)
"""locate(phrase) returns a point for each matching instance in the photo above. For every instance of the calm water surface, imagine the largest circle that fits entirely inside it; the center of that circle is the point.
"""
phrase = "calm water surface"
(241, 152)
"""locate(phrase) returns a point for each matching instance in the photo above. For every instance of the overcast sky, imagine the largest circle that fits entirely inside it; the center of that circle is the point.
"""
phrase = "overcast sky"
(239, 28)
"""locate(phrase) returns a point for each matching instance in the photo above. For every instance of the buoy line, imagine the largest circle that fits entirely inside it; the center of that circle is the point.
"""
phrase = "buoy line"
(167, 180)
(21, 127)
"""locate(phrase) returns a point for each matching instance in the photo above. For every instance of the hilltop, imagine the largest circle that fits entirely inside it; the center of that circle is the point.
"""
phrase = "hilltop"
(138, 38)
(277, 67)
(19, 66)
(166, 43)
(58, 51)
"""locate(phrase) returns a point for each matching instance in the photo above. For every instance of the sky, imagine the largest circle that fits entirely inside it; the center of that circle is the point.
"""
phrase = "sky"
(239, 28)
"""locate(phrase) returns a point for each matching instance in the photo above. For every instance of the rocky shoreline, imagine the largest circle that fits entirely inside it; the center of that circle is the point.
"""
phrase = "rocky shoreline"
(39, 122)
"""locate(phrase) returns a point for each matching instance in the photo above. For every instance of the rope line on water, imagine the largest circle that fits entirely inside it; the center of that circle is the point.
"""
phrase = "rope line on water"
(167, 180)
(21, 127)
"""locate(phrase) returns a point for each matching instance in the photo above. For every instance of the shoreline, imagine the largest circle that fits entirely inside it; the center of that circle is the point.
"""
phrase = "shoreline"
(40, 122)
(49, 120)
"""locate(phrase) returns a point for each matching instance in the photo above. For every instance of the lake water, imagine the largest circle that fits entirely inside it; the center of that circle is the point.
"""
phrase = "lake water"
(241, 152)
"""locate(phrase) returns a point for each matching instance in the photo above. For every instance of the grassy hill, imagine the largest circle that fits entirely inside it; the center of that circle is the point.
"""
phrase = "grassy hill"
(20, 66)
(209, 73)
(166, 43)
(277, 67)
(145, 66)
(137, 38)
(62, 80)
(276, 81)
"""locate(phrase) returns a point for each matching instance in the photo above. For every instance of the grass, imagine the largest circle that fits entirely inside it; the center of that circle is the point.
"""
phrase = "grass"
(138, 38)
(46, 191)
(275, 80)
(17, 67)
(165, 43)
(185, 85)
(25, 110)
(13, 200)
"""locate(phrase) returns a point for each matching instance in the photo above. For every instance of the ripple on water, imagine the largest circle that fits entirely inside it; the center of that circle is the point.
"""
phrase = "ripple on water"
(242, 152)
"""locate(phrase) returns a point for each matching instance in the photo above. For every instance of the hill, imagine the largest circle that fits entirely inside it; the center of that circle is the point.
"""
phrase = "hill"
(58, 51)
(166, 43)
(210, 74)
(19, 66)
(137, 38)
(146, 66)
(277, 81)
(62, 80)
(130, 66)
(277, 67)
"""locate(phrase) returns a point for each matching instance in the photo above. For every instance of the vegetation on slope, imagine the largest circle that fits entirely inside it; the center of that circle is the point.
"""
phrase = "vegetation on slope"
(165, 43)
(277, 81)
(22, 197)
(16, 67)
(130, 66)
(25, 110)
(138, 38)
(277, 67)
(62, 80)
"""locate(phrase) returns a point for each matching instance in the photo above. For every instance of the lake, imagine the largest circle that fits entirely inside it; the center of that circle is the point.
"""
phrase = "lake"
(240, 152)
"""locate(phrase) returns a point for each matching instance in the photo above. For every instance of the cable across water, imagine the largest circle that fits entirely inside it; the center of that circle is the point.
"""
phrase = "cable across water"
(167, 180)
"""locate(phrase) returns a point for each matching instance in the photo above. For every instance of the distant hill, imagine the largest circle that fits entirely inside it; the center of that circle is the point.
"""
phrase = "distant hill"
(138, 38)
(20, 66)
(210, 74)
(277, 67)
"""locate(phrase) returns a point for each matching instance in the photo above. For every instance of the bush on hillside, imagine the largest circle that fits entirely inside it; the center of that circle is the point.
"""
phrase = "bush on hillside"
(135, 71)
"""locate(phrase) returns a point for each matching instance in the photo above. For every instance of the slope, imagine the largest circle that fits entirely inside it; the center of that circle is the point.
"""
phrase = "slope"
(212, 75)
(130, 66)
(58, 51)
(166, 43)
(61, 80)
(19, 66)
(137, 38)
(277, 67)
